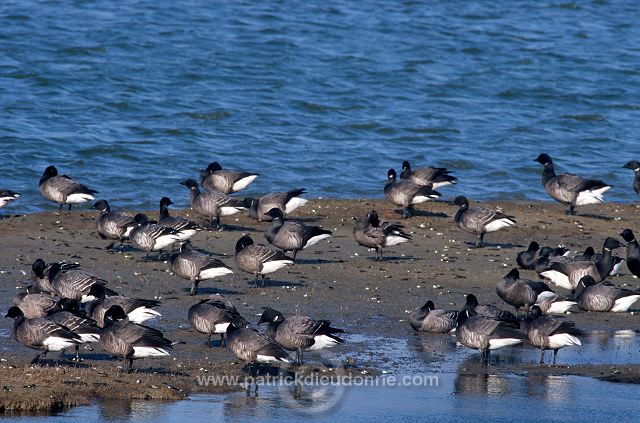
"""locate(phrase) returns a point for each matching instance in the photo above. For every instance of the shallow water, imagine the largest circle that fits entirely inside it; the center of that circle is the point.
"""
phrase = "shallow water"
(422, 377)
(133, 97)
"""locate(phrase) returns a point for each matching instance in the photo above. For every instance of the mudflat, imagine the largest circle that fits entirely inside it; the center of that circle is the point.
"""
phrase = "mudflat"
(336, 279)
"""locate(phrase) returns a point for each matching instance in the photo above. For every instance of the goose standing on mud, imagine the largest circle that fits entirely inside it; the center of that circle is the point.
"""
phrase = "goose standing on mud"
(434, 177)
(258, 259)
(130, 340)
(486, 334)
(406, 194)
(479, 220)
(369, 232)
(300, 333)
(633, 252)
(149, 236)
(138, 310)
(212, 204)
(548, 333)
(74, 284)
(604, 296)
(64, 190)
(569, 189)
(214, 178)
(430, 319)
(196, 266)
(213, 315)
(568, 274)
(186, 229)
(7, 196)
(285, 201)
(635, 166)
(85, 328)
(291, 235)
(114, 225)
(41, 334)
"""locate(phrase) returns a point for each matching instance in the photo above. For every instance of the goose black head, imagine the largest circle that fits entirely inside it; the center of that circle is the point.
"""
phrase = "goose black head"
(461, 201)
(428, 306)
(72, 306)
(513, 275)
(115, 313)
(373, 218)
(472, 302)
(270, 315)
(165, 201)
(535, 312)
(275, 213)
(406, 167)
(97, 290)
(533, 246)
(627, 235)
(633, 165)
(243, 243)
(612, 243)
(14, 312)
(589, 252)
(101, 205)
(141, 219)
(191, 184)
(213, 167)
(463, 316)
(391, 175)
(250, 203)
(50, 172)
(238, 322)
(544, 159)
(38, 268)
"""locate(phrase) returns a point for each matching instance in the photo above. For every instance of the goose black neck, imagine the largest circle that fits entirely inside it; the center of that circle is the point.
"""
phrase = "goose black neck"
(548, 173)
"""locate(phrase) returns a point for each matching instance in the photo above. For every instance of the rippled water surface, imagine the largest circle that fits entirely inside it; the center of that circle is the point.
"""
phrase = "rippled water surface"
(134, 96)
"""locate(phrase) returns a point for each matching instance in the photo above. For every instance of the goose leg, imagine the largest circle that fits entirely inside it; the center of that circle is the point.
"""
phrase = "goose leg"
(194, 287)
(541, 356)
(208, 343)
(222, 340)
(60, 207)
(295, 252)
(299, 356)
(406, 213)
(479, 241)
(555, 352)
(69, 207)
(110, 246)
(130, 364)
(36, 359)
(570, 211)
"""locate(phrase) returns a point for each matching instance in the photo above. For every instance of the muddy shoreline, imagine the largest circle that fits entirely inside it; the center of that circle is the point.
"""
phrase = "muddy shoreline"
(336, 279)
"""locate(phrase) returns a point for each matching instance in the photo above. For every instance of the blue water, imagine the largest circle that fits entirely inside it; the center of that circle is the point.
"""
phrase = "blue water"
(134, 96)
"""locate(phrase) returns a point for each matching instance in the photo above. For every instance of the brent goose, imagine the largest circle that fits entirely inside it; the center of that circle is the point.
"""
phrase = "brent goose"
(633, 252)
(35, 304)
(480, 220)
(258, 259)
(548, 333)
(517, 292)
(604, 296)
(64, 190)
(485, 334)
(41, 334)
(129, 340)
(527, 259)
(406, 194)
(85, 328)
(635, 166)
(548, 255)
(40, 274)
(196, 266)
(291, 235)
(551, 303)
(73, 283)
(300, 333)
(7, 196)
(186, 228)
(285, 201)
(488, 310)
(212, 204)
(115, 225)
(149, 236)
(428, 318)
(214, 178)
(369, 232)
(434, 177)
(138, 310)
(213, 315)
(569, 189)
(568, 274)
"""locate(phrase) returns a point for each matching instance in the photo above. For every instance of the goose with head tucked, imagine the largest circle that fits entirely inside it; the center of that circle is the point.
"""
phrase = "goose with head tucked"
(430, 319)
(370, 232)
(285, 201)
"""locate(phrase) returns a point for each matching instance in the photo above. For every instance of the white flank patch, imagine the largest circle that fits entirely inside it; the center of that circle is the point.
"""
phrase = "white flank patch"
(244, 182)
(494, 344)
(186, 234)
(128, 232)
(214, 273)
(139, 352)
(142, 314)
(5, 200)
(623, 304)
(164, 241)
(79, 198)
(560, 307)
(394, 240)
(221, 328)
(616, 268)
(558, 278)
(562, 340)
(544, 295)
(229, 211)
(87, 299)
(294, 203)
(323, 341)
(437, 185)
(273, 266)
(567, 254)
(89, 337)
(589, 197)
(496, 225)
(314, 240)
(422, 198)
(55, 343)
(270, 358)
